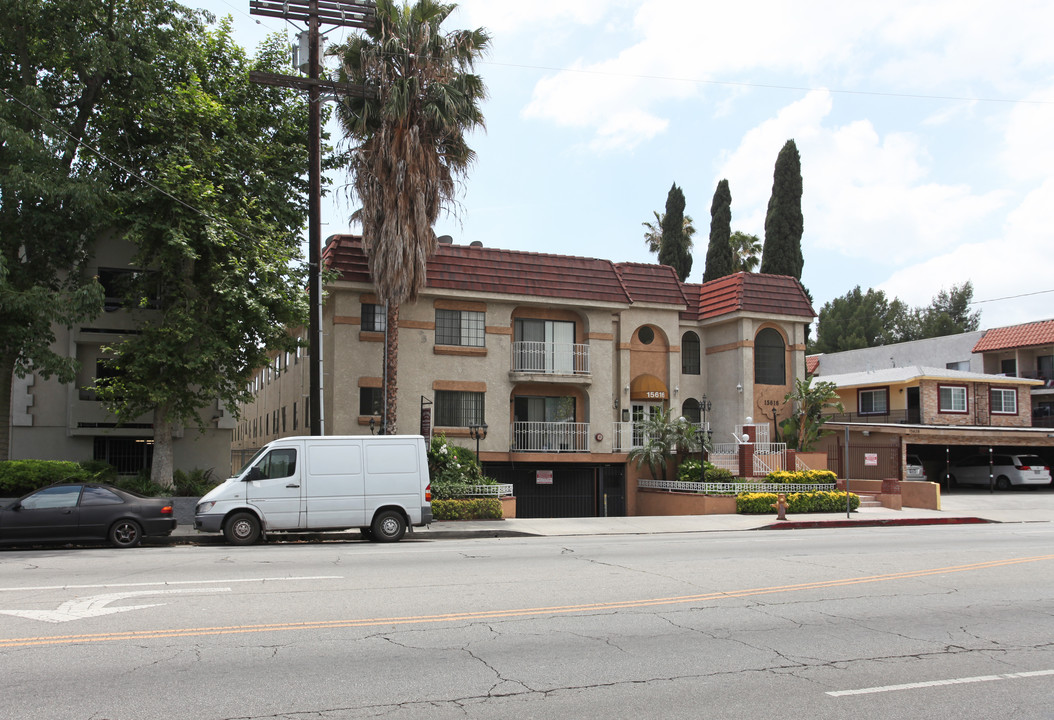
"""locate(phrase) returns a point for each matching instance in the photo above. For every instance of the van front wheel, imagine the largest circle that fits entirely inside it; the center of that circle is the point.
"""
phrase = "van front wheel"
(242, 529)
(388, 526)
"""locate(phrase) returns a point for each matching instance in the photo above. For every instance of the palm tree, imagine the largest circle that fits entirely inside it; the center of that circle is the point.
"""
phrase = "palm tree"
(653, 231)
(746, 251)
(663, 436)
(408, 144)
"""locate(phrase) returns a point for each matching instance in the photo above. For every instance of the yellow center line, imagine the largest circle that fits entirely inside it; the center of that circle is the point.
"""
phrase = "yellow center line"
(509, 613)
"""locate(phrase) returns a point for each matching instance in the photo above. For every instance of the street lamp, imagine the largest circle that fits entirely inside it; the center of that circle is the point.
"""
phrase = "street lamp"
(479, 432)
(704, 408)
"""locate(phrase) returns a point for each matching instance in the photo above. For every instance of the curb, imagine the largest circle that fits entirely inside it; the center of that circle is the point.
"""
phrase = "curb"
(807, 525)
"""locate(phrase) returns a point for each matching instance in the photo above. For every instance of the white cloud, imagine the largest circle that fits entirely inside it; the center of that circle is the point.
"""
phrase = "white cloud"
(865, 196)
(1029, 150)
(1010, 266)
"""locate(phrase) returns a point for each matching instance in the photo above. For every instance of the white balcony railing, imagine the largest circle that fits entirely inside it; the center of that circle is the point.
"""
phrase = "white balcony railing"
(547, 358)
(628, 436)
(550, 437)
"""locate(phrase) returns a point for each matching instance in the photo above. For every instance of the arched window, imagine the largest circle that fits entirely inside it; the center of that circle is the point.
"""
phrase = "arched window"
(690, 410)
(689, 353)
(770, 358)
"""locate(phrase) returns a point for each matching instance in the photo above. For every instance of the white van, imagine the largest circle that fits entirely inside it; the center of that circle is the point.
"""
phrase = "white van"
(296, 484)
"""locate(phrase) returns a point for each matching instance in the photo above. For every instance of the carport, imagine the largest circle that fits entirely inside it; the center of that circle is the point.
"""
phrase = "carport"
(936, 445)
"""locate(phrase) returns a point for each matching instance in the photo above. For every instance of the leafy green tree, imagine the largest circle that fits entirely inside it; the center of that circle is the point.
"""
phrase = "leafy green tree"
(67, 68)
(663, 436)
(809, 412)
(720, 260)
(217, 231)
(784, 223)
(653, 231)
(409, 146)
(675, 248)
(949, 313)
(746, 251)
(857, 320)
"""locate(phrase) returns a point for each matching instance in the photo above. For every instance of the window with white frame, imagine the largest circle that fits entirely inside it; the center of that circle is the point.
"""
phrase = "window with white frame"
(873, 402)
(951, 399)
(1004, 401)
(456, 408)
(460, 327)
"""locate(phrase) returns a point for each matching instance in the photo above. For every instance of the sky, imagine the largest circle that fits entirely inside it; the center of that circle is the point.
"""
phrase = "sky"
(924, 129)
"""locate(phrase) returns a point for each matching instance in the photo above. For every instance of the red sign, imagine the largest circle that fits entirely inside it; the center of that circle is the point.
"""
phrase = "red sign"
(871, 459)
(544, 477)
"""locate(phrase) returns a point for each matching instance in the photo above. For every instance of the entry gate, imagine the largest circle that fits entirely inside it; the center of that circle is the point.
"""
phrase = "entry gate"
(554, 491)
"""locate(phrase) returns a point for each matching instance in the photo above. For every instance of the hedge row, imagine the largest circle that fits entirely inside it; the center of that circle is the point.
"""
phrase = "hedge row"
(801, 477)
(813, 502)
(18, 477)
(467, 509)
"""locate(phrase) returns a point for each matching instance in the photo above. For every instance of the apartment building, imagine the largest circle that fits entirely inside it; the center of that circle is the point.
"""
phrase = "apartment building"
(559, 357)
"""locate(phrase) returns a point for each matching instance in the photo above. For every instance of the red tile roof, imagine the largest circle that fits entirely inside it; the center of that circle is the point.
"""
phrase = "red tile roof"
(652, 283)
(1017, 336)
(509, 272)
(748, 292)
(811, 363)
(495, 271)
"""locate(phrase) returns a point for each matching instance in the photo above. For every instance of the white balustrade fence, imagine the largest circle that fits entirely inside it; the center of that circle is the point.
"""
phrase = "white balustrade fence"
(550, 437)
(550, 358)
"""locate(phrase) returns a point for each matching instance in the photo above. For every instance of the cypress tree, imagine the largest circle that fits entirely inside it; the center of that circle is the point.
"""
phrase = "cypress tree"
(675, 246)
(783, 222)
(719, 260)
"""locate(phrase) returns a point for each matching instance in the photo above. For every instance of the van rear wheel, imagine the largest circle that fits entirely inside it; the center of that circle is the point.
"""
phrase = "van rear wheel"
(242, 529)
(388, 526)
(1002, 483)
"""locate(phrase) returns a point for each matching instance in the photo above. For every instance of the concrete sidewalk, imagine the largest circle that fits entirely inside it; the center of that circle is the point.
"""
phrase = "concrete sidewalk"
(958, 508)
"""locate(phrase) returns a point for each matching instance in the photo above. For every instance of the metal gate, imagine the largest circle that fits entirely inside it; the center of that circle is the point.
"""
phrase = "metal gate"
(867, 462)
(553, 491)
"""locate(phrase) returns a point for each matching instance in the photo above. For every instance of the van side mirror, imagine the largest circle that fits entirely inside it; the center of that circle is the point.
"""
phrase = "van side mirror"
(254, 474)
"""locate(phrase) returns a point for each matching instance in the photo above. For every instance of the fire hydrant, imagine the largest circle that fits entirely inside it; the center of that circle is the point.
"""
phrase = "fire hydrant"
(781, 506)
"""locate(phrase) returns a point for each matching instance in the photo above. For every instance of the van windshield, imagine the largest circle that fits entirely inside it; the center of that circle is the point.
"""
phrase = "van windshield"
(251, 460)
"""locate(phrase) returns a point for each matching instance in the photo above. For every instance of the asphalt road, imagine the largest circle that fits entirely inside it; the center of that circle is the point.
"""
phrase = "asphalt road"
(904, 622)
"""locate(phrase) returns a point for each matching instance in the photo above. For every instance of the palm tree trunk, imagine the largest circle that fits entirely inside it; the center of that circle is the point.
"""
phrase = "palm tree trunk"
(391, 365)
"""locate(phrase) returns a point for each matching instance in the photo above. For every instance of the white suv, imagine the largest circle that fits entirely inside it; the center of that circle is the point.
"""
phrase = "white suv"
(1007, 470)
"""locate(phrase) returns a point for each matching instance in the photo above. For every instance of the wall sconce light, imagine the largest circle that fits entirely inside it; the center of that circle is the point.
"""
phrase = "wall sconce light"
(625, 389)
(867, 433)
(676, 389)
(739, 387)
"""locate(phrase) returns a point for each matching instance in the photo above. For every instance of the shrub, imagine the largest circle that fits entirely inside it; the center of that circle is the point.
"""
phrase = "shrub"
(688, 471)
(453, 469)
(100, 471)
(761, 503)
(141, 484)
(467, 509)
(801, 477)
(18, 477)
(193, 484)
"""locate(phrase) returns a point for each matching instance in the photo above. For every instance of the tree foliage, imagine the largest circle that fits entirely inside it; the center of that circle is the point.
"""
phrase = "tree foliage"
(68, 68)
(675, 247)
(746, 251)
(868, 319)
(784, 223)
(409, 145)
(720, 259)
(217, 232)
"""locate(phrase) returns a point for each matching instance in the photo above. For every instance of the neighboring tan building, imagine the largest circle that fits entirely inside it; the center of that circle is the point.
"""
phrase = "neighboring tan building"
(558, 355)
(945, 398)
(55, 421)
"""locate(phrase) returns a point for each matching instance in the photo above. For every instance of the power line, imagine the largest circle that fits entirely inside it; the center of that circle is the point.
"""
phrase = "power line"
(769, 86)
(1012, 297)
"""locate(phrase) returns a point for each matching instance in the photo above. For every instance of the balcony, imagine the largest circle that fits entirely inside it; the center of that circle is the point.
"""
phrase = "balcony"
(550, 437)
(903, 417)
(629, 436)
(547, 358)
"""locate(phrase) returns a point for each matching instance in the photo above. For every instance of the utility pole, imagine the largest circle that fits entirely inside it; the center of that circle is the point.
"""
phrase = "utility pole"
(344, 13)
